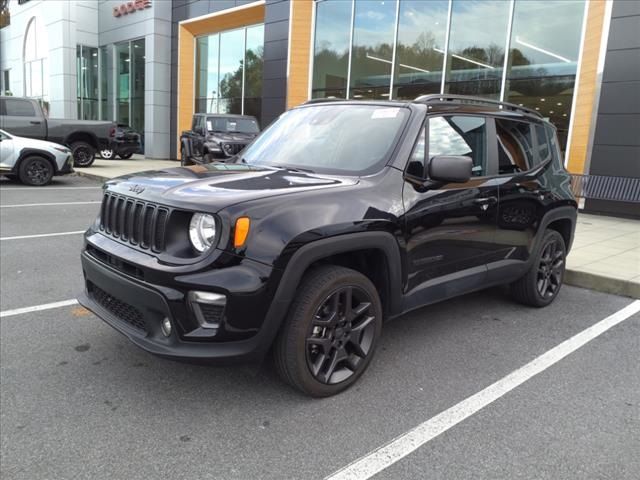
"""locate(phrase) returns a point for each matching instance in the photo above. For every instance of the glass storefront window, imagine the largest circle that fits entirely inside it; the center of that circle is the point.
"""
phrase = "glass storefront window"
(253, 71)
(331, 49)
(372, 51)
(137, 84)
(36, 63)
(422, 30)
(207, 54)
(543, 58)
(87, 82)
(476, 47)
(229, 71)
(107, 94)
(123, 62)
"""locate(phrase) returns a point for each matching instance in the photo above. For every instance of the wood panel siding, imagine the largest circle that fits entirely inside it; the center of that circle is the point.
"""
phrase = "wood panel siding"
(586, 87)
(299, 52)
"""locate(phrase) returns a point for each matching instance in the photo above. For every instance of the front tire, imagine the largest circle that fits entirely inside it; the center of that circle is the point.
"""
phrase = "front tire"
(107, 154)
(83, 154)
(330, 333)
(36, 171)
(541, 284)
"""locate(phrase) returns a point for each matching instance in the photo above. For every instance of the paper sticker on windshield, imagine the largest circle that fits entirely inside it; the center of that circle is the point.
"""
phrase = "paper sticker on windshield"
(210, 125)
(385, 113)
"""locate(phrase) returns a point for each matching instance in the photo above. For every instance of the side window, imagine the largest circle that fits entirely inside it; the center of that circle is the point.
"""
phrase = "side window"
(553, 145)
(197, 124)
(544, 150)
(18, 108)
(460, 135)
(515, 146)
(415, 167)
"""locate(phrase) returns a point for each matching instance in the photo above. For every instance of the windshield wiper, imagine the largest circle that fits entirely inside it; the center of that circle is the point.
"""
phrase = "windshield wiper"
(292, 169)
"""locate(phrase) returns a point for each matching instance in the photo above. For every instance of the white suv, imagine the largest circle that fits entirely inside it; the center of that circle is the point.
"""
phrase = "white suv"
(34, 162)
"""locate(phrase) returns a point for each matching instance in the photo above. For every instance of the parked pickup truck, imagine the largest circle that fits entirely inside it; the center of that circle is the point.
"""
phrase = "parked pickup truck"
(216, 137)
(24, 117)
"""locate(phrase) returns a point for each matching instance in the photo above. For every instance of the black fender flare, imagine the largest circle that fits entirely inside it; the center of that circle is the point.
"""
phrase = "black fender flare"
(82, 137)
(26, 152)
(186, 146)
(558, 213)
(300, 261)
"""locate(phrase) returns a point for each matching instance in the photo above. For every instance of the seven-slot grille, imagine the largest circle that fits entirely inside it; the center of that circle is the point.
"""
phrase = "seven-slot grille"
(133, 221)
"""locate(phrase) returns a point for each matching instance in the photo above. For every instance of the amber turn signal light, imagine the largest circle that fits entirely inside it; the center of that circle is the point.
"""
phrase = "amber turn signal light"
(241, 231)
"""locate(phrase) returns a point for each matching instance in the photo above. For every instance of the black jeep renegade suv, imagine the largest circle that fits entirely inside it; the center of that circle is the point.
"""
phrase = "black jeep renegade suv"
(341, 214)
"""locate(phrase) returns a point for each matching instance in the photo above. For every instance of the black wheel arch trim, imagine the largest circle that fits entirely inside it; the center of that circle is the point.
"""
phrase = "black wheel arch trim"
(82, 136)
(558, 213)
(27, 152)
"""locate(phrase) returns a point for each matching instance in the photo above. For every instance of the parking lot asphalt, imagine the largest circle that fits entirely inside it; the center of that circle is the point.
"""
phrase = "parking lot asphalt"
(77, 400)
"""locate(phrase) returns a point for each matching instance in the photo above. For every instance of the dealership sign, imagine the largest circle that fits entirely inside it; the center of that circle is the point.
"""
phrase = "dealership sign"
(130, 7)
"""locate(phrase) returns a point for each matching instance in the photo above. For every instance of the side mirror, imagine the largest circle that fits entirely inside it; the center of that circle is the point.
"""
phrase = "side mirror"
(450, 169)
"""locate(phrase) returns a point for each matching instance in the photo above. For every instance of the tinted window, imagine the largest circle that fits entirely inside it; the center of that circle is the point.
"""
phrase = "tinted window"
(342, 139)
(543, 144)
(459, 135)
(17, 108)
(515, 152)
(243, 125)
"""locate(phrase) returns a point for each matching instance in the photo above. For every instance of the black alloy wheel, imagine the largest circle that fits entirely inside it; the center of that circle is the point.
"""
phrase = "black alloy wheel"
(330, 334)
(83, 154)
(541, 284)
(341, 335)
(550, 269)
(36, 171)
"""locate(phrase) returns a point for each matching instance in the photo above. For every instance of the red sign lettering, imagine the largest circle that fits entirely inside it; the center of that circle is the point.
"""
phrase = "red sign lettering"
(130, 7)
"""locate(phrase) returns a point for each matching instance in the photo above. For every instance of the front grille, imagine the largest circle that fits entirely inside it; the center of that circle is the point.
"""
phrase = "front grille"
(233, 148)
(211, 313)
(135, 222)
(121, 310)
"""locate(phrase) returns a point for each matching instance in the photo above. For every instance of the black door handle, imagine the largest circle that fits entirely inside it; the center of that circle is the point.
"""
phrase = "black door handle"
(34, 122)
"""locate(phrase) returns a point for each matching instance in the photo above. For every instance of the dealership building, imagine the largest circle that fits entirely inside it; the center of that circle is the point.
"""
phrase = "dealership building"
(153, 63)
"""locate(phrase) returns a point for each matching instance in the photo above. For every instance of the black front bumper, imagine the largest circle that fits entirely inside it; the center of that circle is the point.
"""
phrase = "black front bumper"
(152, 307)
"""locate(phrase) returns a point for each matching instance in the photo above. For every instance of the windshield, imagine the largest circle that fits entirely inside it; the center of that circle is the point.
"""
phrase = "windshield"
(342, 139)
(242, 125)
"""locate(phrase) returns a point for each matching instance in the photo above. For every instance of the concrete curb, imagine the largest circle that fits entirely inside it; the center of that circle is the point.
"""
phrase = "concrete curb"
(92, 176)
(602, 283)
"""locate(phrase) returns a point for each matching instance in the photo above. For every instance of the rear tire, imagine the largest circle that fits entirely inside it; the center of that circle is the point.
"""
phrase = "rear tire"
(83, 154)
(36, 171)
(330, 334)
(185, 161)
(541, 284)
(125, 156)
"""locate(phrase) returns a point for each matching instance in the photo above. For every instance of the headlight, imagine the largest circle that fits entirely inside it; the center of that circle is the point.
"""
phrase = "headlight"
(202, 231)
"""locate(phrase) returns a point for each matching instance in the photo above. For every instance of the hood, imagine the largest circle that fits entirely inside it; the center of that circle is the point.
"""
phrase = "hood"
(215, 186)
(24, 142)
(231, 137)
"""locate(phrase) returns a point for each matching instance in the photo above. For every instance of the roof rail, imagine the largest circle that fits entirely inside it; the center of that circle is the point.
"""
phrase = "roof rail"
(462, 99)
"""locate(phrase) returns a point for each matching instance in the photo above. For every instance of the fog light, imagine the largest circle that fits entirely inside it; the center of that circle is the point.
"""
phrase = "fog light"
(208, 308)
(166, 327)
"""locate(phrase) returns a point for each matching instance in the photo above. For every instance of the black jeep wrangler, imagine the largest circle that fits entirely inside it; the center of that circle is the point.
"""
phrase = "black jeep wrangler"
(341, 215)
(216, 137)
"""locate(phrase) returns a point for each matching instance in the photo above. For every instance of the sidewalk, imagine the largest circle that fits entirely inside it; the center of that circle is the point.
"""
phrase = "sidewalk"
(605, 254)
(103, 170)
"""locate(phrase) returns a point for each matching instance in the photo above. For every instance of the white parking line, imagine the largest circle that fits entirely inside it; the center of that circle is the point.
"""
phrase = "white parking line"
(44, 189)
(41, 235)
(48, 204)
(37, 308)
(385, 456)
